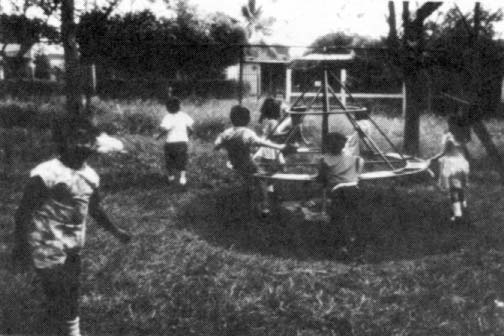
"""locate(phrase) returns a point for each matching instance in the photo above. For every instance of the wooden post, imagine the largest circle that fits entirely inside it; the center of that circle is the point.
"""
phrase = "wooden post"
(502, 90)
(429, 94)
(343, 77)
(240, 77)
(288, 85)
(93, 78)
(404, 102)
(325, 106)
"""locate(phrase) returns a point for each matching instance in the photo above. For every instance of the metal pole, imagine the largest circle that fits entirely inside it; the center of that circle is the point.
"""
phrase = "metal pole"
(325, 106)
(288, 85)
(343, 76)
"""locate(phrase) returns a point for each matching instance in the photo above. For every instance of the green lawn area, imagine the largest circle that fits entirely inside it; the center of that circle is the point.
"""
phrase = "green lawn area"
(202, 263)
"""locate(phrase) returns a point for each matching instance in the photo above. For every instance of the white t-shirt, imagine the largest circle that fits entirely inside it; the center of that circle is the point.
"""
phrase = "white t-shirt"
(176, 124)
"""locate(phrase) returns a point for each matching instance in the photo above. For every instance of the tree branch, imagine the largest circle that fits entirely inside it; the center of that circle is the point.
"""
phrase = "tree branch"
(426, 10)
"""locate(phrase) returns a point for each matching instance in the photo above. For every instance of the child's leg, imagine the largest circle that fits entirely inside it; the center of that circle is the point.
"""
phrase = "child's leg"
(463, 199)
(181, 162)
(456, 201)
(343, 213)
(61, 287)
(170, 171)
(265, 192)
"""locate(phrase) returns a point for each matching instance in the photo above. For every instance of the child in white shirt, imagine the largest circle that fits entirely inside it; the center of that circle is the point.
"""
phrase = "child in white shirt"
(176, 126)
(453, 175)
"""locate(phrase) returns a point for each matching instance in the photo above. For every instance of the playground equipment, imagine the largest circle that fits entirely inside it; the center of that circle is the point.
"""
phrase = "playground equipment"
(292, 130)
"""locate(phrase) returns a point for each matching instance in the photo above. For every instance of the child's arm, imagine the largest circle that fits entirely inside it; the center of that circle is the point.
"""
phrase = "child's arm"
(218, 143)
(190, 131)
(360, 165)
(162, 133)
(97, 212)
(323, 173)
(190, 126)
(34, 194)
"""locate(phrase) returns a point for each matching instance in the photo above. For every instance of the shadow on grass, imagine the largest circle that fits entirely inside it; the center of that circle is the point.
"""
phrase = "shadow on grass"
(394, 221)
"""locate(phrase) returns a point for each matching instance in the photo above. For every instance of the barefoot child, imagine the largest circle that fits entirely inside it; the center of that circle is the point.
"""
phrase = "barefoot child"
(271, 159)
(239, 141)
(339, 171)
(453, 175)
(176, 126)
(51, 224)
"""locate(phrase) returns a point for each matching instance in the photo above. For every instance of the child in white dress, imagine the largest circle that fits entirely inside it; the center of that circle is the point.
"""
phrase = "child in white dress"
(453, 175)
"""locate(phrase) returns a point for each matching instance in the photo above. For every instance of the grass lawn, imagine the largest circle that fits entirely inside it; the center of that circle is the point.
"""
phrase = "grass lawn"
(202, 263)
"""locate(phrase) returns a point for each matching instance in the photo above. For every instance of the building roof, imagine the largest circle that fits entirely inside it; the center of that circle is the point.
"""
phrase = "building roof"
(310, 60)
(12, 49)
(54, 50)
(261, 52)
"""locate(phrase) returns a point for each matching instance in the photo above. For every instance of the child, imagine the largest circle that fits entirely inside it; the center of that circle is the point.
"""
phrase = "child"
(176, 125)
(51, 224)
(271, 159)
(239, 142)
(453, 175)
(340, 172)
(355, 144)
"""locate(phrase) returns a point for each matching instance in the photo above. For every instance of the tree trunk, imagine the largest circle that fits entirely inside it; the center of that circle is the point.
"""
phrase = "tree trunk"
(413, 71)
(72, 73)
(412, 117)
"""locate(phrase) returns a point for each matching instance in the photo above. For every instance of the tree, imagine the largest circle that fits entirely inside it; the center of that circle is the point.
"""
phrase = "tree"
(474, 60)
(66, 9)
(255, 23)
(26, 32)
(410, 52)
(138, 45)
(465, 64)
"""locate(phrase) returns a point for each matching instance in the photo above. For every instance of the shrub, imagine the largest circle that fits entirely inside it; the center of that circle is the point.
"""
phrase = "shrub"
(133, 89)
(27, 88)
(208, 129)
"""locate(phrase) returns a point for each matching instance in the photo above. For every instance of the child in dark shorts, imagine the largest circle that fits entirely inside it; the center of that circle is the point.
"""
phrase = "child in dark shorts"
(339, 171)
(176, 126)
(239, 141)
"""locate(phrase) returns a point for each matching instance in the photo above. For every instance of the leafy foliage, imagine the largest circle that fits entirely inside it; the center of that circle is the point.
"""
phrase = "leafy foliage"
(256, 24)
(461, 60)
(142, 46)
(371, 70)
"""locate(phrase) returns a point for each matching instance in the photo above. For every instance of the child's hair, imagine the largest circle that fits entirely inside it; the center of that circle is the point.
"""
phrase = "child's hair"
(172, 104)
(335, 143)
(239, 115)
(450, 145)
(270, 109)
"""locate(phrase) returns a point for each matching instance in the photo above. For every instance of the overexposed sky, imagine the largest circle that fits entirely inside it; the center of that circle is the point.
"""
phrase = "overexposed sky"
(300, 22)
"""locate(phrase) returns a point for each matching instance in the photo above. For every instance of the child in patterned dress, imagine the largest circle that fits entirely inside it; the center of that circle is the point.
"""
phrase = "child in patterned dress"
(51, 223)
